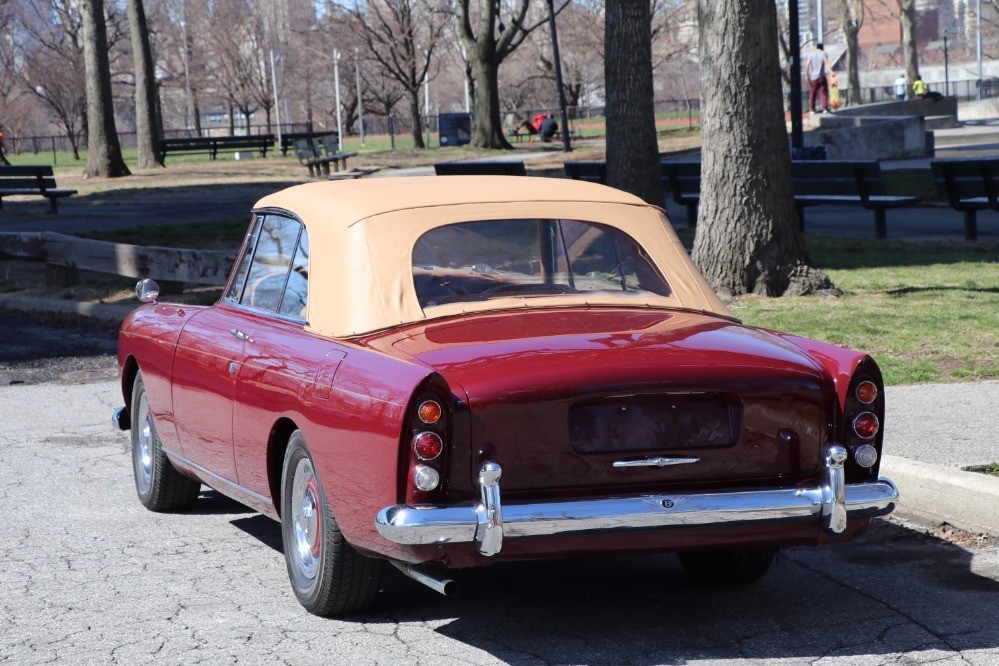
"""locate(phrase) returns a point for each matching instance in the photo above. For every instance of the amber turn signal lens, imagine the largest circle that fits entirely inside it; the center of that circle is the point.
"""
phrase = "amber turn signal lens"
(427, 445)
(429, 411)
(867, 392)
(866, 425)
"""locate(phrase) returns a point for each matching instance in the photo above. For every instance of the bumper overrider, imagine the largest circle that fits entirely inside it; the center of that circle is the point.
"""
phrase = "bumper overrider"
(487, 522)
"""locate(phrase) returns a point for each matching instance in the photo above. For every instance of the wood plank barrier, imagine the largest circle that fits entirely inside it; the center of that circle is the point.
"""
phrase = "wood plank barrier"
(166, 264)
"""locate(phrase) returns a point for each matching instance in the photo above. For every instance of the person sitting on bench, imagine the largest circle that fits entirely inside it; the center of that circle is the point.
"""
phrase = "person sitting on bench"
(548, 128)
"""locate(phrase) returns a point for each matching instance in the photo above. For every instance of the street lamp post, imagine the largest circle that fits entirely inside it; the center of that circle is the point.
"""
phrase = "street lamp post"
(794, 55)
(277, 107)
(360, 103)
(426, 101)
(336, 84)
(946, 69)
(978, 45)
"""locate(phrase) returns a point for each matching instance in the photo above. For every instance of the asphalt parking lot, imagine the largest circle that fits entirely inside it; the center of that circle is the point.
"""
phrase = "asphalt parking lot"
(90, 576)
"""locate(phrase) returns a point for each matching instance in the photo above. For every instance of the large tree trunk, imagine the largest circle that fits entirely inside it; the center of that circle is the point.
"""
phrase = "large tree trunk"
(488, 124)
(632, 146)
(747, 236)
(416, 120)
(852, 19)
(146, 125)
(907, 15)
(103, 150)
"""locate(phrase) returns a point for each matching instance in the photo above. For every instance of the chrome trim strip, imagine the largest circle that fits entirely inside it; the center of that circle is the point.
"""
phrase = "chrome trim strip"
(235, 486)
(655, 462)
(829, 502)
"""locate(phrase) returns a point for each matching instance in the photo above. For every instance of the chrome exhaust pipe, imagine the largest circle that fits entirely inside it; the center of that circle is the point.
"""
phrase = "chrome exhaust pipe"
(445, 586)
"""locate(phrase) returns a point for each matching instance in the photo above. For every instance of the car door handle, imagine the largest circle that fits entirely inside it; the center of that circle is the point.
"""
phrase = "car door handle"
(240, 335)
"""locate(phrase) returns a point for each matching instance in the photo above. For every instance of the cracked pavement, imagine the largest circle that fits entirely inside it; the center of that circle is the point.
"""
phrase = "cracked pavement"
(87, 575)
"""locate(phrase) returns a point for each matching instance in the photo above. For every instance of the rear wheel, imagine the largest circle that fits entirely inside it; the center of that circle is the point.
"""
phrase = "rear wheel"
(159, 486)
(328, 576)
(728, 566)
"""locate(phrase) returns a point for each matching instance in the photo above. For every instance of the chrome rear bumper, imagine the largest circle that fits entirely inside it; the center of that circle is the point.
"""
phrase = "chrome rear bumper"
(487, 522)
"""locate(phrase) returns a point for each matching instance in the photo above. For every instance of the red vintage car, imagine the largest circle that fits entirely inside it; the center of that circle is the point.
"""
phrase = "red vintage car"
(481, 368)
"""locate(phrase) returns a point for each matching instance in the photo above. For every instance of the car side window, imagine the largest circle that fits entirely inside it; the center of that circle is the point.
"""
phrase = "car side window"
(246, 254)
(296, 292)
(270, 268)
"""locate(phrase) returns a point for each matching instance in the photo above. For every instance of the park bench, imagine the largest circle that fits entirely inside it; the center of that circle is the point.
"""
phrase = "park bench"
(318, 154)
(815, 183)
(593, 172)
(289, 140)
(32, 181)
(969, 186)
(480, 169)
(213, 145)
(519, 135)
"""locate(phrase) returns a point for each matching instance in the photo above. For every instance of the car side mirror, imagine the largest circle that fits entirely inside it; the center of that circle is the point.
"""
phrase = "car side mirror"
(147, 290)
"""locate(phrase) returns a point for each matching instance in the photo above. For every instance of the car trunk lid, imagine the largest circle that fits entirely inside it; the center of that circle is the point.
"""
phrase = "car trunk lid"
(592, 399)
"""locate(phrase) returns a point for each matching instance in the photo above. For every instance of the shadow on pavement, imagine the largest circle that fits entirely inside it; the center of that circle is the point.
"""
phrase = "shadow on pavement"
(892, 591)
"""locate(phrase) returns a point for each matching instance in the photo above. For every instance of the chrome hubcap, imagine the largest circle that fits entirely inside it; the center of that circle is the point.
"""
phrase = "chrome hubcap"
(142, 447)
(305, 507)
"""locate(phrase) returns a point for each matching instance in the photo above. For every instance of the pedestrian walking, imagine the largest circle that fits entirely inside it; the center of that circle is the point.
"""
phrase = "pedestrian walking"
(900, 86)
(817, 69)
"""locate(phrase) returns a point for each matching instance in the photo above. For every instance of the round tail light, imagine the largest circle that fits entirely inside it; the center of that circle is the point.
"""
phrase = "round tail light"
(426, 478)
(867, 392)
(865, 455)
(427, 445)
(866, 425)
(429, 411)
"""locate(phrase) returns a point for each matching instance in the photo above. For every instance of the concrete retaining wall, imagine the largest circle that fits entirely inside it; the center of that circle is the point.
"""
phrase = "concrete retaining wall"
(911, 107)
(872, 138)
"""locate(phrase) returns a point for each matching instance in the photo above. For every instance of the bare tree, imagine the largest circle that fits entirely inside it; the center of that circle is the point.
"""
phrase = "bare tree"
(147, 129)
(747, 237)
(103, 150)
(632, 147)
(46, 54)
(851, 21)
(907, 16)
(402, 35)
(487, 50)
(237, 62)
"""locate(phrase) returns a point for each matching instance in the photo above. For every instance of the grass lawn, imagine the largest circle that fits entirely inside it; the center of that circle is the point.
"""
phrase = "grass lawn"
(925, 311)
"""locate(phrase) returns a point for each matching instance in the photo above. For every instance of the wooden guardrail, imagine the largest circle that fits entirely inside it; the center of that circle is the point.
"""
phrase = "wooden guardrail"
(167, 264)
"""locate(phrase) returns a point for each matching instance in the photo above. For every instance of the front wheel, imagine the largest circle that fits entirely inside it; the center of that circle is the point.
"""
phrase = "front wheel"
(159, 486)
(728, 566)
(328, 576)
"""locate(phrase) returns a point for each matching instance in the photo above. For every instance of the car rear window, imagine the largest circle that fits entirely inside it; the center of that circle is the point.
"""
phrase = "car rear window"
(476, 261)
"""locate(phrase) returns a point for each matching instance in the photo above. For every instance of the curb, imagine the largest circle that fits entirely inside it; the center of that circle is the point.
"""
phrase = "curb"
(935, 494)
(109, 312)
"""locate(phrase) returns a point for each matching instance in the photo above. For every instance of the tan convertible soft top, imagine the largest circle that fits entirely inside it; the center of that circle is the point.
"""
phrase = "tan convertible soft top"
(362, 233)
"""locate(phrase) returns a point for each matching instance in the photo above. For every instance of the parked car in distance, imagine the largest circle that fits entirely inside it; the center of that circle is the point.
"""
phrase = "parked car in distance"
(447, 372)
